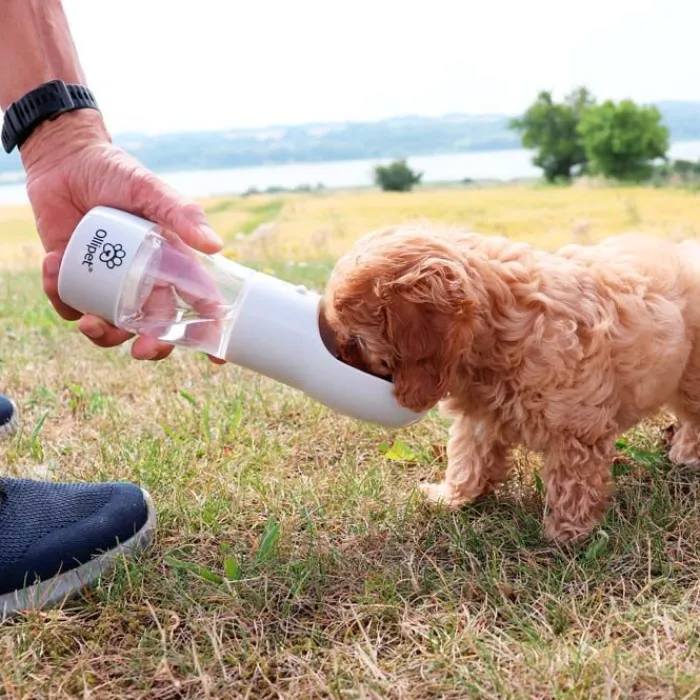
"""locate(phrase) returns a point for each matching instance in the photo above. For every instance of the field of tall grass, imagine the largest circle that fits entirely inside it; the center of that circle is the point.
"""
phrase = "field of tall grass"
(294, 557)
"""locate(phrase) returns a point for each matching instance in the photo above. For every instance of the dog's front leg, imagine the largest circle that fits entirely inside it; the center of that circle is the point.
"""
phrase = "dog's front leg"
(579, 484)
(476, 464)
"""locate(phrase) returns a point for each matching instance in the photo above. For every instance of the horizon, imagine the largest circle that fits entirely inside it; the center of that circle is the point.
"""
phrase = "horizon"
(306, 66)
(341, 122)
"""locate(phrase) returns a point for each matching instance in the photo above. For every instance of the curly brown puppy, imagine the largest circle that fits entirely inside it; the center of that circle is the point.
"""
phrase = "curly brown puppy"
(559, 352)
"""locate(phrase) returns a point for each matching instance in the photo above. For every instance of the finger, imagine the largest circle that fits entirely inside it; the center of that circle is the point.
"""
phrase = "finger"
(102, 333)
(50, 268)
(145, 348)
(163, 205)
(105, 335)
(182, 271)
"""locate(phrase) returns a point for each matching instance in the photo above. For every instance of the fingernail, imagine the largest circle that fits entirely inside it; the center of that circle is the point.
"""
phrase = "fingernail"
(211, 235)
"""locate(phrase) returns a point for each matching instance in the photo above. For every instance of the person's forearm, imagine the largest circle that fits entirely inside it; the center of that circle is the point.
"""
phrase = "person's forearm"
(35, 46)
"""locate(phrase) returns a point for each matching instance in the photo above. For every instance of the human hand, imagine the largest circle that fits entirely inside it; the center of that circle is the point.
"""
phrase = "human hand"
(71, 167)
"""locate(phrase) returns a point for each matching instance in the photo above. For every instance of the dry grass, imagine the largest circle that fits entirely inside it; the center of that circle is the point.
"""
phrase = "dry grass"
(313, 227)
(294, 558)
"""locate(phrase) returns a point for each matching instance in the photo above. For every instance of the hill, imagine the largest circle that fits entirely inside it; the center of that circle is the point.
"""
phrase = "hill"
(390, 138)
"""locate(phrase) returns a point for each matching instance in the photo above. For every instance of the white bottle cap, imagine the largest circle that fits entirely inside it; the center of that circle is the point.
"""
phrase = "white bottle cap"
(277, 333)
(98, 259)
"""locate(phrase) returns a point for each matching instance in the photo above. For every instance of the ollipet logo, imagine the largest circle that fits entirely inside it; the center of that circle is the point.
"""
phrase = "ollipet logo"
(111, 254)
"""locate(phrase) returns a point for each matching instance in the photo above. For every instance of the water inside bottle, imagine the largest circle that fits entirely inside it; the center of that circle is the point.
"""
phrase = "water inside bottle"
(184, 326)
(183, 299)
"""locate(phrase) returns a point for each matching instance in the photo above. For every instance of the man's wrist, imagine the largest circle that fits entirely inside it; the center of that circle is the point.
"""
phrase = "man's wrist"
(44, 103)
(53, 140)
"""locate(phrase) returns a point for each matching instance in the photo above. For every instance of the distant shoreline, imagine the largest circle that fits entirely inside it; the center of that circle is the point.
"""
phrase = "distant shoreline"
(17, 176)
(445, 169)
(304, 145)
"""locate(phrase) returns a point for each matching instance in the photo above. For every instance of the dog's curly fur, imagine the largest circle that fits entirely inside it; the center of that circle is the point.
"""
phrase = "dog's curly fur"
(559, 352)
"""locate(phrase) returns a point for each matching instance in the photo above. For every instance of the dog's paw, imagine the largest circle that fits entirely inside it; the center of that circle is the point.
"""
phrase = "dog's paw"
(441, 494)
(567, 532)
(684, 456)
(684, 446)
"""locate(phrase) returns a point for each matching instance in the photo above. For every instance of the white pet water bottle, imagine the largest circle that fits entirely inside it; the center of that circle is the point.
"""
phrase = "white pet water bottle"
(122, 268)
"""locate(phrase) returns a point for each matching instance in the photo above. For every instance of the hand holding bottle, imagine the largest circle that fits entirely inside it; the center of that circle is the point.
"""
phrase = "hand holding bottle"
(72, 166)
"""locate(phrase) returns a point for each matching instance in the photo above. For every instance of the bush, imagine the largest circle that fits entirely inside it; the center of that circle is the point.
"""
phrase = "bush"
(396, 177)
(685, 173)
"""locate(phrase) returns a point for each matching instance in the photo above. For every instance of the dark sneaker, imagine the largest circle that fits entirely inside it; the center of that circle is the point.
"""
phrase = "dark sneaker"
(56, 539)
(9, 416)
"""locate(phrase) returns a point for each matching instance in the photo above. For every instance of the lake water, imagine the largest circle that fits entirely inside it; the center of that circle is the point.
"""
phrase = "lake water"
(491, 165)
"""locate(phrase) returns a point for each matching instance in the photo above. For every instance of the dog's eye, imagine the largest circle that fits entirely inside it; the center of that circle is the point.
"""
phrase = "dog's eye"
(384, 365)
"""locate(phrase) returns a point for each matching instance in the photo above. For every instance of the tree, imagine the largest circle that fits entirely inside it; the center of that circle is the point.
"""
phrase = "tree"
(622, 139)
(551, 129)
(396, 177)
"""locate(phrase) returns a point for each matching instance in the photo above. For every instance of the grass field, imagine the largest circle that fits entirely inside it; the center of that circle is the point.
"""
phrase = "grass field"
(294, 558)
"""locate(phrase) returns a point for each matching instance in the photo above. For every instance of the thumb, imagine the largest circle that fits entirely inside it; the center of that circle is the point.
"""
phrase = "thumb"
(160, 203)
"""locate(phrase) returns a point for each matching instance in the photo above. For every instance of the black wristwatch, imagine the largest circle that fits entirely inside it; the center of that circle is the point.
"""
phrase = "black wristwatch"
(44, 103)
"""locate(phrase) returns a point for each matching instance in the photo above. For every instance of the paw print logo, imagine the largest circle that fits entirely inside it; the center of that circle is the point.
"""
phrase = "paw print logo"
(112, 255)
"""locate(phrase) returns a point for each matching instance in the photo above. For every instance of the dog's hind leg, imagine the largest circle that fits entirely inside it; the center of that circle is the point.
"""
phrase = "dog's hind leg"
(685, 444)
(477, 463)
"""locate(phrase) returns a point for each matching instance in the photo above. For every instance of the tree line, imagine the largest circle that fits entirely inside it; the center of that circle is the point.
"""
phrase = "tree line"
(621, 141)
(577, 136)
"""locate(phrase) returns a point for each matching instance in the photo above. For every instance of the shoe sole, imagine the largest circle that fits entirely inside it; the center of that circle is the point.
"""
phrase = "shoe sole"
(63, 587)
(10, 427)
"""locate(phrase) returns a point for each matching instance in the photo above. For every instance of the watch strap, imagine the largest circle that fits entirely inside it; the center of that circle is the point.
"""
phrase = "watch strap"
(45, 102)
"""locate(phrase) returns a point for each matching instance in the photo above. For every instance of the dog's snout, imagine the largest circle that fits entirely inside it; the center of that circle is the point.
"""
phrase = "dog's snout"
(351, 353)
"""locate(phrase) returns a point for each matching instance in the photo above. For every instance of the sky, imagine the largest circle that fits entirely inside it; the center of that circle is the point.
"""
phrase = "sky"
(188, 65)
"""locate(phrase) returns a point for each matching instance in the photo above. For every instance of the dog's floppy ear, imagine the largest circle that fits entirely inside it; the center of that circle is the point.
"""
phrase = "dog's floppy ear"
(429, 308)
